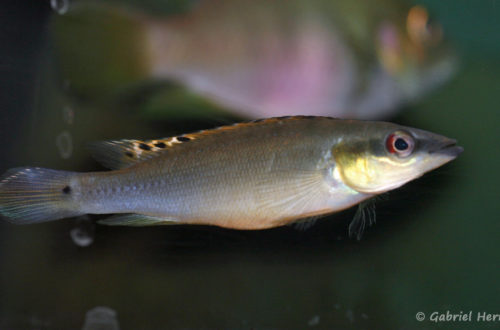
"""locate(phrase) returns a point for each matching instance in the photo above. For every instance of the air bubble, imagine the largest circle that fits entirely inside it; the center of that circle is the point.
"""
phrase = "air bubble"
(38, 323)
(64, 144)
(60, 6)
(349, 314)
(68, 115)
(101, 318)
(83, 233)
(314, 321)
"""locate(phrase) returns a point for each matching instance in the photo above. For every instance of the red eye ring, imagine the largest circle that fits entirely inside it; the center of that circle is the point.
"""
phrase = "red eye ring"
(400, 143)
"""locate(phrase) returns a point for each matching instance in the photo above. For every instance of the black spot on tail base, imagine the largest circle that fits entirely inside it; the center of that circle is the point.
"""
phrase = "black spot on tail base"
(66, 190)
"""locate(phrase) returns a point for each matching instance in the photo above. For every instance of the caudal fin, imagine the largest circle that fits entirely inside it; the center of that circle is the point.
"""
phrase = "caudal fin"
(33, 195)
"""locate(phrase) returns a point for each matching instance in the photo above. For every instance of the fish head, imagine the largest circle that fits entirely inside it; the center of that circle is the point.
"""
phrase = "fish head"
(381, 156)
(413, 52)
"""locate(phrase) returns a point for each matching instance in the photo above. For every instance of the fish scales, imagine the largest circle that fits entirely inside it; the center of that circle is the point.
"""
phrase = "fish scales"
(253, 175)
(221, 177)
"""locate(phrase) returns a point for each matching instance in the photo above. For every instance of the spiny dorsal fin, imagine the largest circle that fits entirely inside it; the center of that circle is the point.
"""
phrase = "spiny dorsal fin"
(257, 122)
(119, 154)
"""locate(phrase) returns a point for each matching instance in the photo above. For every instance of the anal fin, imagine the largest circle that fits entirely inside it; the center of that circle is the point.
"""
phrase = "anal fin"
(137, 220)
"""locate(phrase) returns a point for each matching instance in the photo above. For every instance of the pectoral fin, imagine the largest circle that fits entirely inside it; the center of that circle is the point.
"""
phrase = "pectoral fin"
(365, 215)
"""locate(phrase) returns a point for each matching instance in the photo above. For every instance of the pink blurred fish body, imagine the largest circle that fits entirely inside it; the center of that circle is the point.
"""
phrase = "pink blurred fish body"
(263, 58)
(312, 72)
(260, 59)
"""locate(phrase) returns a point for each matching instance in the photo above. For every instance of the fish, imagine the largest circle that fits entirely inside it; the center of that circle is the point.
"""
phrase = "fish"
(261, 58)
(247, 176)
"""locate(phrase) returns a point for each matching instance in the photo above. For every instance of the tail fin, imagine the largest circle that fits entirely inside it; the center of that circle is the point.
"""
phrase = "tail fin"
(33, 195)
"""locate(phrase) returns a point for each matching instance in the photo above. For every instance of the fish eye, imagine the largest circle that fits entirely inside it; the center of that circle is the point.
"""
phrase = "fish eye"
(400, 143)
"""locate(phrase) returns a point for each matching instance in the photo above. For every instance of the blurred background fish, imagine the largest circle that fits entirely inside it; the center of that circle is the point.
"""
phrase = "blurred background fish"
(254, 58)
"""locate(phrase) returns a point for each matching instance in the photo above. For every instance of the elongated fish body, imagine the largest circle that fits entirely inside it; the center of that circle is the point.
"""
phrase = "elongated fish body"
(253, 175)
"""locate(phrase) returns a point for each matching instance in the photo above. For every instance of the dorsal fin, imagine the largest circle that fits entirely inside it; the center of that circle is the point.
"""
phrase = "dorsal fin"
(256, 122)
(119, 154)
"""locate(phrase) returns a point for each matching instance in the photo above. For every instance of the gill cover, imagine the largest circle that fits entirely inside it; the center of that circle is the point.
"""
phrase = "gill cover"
(367, 171)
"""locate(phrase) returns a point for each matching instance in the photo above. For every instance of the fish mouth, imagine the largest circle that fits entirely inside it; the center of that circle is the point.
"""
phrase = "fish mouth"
(448, 148)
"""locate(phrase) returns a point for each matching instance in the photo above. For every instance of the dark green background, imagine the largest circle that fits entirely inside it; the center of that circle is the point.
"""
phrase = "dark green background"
(435, 246)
